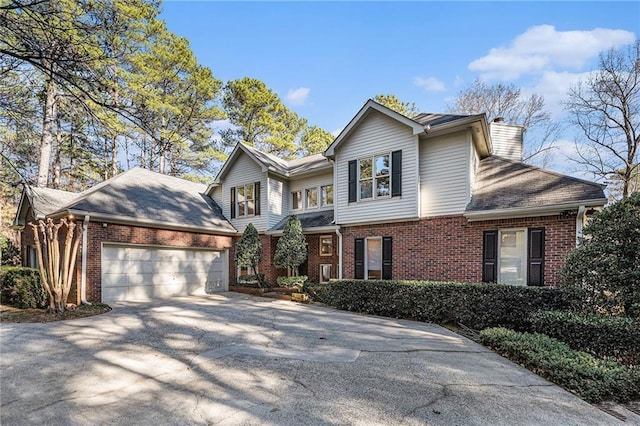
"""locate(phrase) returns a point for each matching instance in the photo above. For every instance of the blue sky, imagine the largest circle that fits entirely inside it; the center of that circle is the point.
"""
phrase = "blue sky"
(325, 59)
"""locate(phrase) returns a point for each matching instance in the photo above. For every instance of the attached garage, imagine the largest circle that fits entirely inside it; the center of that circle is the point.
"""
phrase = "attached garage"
(132, 272)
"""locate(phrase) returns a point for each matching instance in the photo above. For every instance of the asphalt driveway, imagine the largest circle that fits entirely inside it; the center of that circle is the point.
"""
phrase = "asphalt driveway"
(236, 359)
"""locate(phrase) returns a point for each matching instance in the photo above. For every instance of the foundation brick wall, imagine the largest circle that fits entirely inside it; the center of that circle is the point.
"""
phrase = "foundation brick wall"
(450, 248)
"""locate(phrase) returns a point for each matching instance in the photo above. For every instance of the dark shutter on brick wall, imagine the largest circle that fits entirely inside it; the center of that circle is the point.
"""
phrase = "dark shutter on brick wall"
(387, 255)
(535, 267)
(233, 203)
(353, 181)
(490, 256)
(359, 257)
(396, 173)
(256, 200)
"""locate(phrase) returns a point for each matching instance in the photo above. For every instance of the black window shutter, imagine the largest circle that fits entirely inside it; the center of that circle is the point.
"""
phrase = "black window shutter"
(256, 199)
(396, 173)
(359, 256)
(535, 266)
(353, 181)
(233, 203)
(387, 251)
(490, 256)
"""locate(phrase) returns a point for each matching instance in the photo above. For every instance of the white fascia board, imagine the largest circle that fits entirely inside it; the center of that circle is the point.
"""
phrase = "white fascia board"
(364, 111)
(531, 211)
(144, 223)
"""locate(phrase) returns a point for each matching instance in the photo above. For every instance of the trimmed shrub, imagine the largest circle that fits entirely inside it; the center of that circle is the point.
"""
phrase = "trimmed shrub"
(21, 287)
(474, 305)
(599, 335)
(256, 280)
(593, 379)
(292, 281)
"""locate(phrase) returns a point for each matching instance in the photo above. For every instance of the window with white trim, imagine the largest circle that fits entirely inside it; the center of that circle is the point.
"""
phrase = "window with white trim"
(326, 195)
(325, 272)
(374, 177)
(512, 257)
(311, 196)
(326, 245)
(373, 260)
(245, 200)
(296, 200)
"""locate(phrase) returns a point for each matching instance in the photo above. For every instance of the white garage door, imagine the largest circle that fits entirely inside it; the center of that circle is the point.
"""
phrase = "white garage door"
(141, 273)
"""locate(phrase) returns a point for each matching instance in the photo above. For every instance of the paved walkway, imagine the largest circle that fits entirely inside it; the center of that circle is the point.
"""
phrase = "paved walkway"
(236, 359)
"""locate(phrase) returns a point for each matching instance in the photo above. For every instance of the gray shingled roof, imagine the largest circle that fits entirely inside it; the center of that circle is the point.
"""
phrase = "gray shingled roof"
(426, 118)
(309, 220)
(289, 167)
(504, 184)
(146, 196)
(46, 200)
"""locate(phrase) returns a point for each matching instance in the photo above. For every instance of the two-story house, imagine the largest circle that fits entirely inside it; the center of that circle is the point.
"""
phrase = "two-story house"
(435, 197)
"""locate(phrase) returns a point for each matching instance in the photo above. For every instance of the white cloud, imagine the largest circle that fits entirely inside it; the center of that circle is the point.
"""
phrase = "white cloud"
(542, 48)
(553, 86)
(430, 84)
(297, 97)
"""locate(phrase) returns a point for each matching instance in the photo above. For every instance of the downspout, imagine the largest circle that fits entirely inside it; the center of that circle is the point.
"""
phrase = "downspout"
(339, 253)
(83, 279)
(579, 224)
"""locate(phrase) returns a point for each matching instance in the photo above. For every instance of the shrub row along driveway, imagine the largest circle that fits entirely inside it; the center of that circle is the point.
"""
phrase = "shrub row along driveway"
(235, 359)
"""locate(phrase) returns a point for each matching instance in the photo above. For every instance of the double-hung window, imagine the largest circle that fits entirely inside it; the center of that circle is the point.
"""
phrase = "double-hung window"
(378, 176)
(311, 195)
(246, 206)
(514, 256)
(326, 195)
(296, 200)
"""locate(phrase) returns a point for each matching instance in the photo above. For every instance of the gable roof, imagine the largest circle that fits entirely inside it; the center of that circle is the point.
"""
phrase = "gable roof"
(142, 197)
(309, 221)
(507, 188)
(271, 163)
(43, 201)
(423, 123)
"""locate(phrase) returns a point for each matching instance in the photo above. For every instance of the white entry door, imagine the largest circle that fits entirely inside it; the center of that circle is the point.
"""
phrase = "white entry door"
(146, 272)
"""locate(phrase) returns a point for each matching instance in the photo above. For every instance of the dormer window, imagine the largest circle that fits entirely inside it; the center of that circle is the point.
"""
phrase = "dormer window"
(245, 200)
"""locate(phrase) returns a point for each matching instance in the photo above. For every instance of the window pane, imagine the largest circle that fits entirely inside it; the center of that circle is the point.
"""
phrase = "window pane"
(249, 192)
(297, 200)
(374, 258)
(327, 195)
(250, 208)
(241, 209)
(326, 246)
(382, 165)
(312, 198)
(382, 186)
(365, 169)
(366, 187)
(513, 255)
(240, 192)
(325, 273)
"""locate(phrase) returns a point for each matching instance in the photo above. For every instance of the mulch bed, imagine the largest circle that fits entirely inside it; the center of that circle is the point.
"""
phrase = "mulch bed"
(13, 314)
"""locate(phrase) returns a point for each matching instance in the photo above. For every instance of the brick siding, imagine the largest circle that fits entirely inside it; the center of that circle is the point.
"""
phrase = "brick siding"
(450, 248)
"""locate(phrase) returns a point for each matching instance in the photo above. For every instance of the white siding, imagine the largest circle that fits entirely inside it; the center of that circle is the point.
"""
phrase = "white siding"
(507, 141)
(377, 134)
(444, 174)
(217, 195)
(310, 182)
(473, 167)
(245, 171)
(278, 204)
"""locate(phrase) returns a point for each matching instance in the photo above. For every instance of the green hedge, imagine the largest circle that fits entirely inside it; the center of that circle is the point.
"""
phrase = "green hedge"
(593, 379)
(474, 305)
(599, 335)
(292, 281)
(21, 287)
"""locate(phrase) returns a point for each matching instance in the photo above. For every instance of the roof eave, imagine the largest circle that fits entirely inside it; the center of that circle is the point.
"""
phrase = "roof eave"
(416, 128)
(479, 131)
(520, 212)
(312, 230)
(125, 220)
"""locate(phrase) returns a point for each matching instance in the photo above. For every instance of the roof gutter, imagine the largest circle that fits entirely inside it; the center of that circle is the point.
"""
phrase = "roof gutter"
(532, 211)
(316, 230)
(124, 220)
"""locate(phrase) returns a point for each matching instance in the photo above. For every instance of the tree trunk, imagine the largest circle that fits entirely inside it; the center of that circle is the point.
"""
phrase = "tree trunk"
(46, 141)
(114, 141)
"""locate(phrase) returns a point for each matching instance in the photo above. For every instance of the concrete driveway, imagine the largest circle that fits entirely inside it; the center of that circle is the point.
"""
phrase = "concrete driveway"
(236, 359)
